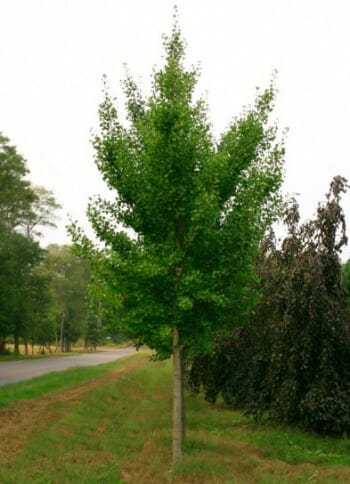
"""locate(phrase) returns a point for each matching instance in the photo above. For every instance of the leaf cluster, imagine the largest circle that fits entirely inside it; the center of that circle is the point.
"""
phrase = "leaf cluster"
(188, 212)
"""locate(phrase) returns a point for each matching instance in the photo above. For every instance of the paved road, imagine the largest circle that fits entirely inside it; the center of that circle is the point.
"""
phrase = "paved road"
(13, 371)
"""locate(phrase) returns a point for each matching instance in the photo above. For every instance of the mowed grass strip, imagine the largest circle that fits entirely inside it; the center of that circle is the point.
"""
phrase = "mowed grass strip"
(120, 431)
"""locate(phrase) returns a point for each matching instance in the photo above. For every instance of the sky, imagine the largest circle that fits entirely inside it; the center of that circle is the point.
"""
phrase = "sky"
(54, 53)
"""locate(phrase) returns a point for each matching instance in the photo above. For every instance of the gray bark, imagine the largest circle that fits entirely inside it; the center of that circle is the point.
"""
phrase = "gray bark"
(178, 421)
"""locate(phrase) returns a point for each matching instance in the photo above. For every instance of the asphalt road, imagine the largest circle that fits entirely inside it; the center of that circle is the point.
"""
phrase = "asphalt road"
(14, 371)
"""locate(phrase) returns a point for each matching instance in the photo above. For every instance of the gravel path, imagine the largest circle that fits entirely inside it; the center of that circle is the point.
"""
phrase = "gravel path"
(14, 371)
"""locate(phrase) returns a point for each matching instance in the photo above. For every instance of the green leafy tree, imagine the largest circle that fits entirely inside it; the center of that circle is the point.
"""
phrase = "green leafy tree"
(18, 258)
(23, 209)
(41, 325)
(181, 235)
(17, 255)
(16, 195)
(69, 278)
(43, 212)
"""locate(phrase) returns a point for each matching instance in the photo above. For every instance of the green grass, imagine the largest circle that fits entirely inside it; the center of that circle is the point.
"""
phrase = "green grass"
(121, 432)
(42, 385)
(296, 446)
(293, 446)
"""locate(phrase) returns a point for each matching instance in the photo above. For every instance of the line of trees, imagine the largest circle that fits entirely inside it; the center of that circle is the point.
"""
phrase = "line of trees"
(43, 292)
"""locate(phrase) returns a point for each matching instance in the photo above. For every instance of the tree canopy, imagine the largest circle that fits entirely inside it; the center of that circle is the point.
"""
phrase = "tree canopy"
(23, 284)
(181, 234)
(16, 195)
(292, 361)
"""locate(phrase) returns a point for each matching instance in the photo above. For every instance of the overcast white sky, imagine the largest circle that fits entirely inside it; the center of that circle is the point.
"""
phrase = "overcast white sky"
(54, 52)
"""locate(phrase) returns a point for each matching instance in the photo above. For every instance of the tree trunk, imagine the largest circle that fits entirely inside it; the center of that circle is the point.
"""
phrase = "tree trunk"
(16, 342)
(56, 340)
(61, 334)
(183, 415)
(178, 420)
(67, 344)
(2, 344)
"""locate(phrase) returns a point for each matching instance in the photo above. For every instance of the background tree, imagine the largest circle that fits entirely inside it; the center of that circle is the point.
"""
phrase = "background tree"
(69, 279)
(17, 255)
(23, 209)
(16, 195)
(311, 364)
(181, 235)
(293, 359)
(41, 324)
(43, 212)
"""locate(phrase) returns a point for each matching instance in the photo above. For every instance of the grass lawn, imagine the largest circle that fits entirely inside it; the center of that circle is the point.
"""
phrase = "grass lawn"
(115, 427)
